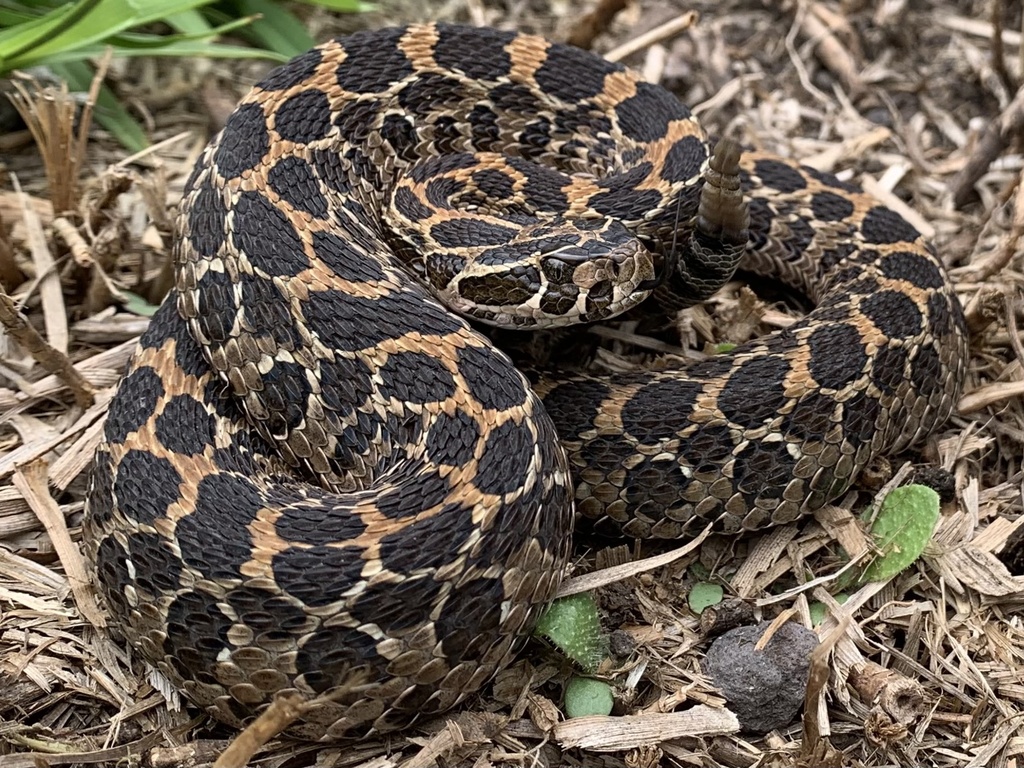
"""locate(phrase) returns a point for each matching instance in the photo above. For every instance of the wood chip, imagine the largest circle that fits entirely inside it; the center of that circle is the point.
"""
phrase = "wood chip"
(616, 734)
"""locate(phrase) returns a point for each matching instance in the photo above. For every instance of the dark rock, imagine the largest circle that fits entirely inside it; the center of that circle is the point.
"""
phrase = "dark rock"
(765, 688)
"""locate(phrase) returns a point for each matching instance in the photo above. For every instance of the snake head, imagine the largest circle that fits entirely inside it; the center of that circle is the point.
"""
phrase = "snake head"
(550, 274)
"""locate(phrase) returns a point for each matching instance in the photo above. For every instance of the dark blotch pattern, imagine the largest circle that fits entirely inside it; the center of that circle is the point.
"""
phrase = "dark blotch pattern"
(418, 493)
(332, 170)
(828, 206)
(349, 323)
(455, 233)
(266, 312)
(653, 485)
(100, 499)
(829, 180)
(916, 269)
(266, 613)
(574, 405)
(373, 61)
(832, 256)
(215, 304)
(215, 539)
(473, 614)
(133, 404)
(407, 204)
(491, 378)
(429, 543)
(926, 371)
(570, 74)
(317, 576)
(452, 439)
(357, 120)
(801, 235)
(397, 607)
(888, 369)
(512, 289)
(431, 92)
(344, 260)
(286, 390)
(185, 426)
(811, 419)
(327, 657)
(263, 233)
(206, 223)
(941, 317)
(493, 184)
(684, 160)
(780, 176)
(113, 575)
(895, 314)
(243, 143)
(442, 191)
(755, 392)
(304, 117)
(762, 470)
(645, 116)
(883, 225)
(302, 519)
(399, 132)
(157, 567)
(296, 71)
(489, 59)
(483, 125)
(145, 486)
(659, 410)
(837, 355)
(197, 632)
(415, 377)
(861, 415)
(344, 383)
(505, 464)
(293, 179)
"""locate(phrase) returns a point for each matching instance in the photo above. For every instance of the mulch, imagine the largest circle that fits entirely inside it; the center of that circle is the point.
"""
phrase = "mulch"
(919, 102)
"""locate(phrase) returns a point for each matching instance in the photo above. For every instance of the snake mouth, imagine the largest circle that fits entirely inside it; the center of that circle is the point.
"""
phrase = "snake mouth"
(651, 283)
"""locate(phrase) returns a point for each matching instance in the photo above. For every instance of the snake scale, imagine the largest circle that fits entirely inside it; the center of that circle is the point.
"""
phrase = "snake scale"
(319, 476)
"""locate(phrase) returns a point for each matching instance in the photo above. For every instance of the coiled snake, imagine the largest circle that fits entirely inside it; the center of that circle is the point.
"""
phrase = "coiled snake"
(318, 477)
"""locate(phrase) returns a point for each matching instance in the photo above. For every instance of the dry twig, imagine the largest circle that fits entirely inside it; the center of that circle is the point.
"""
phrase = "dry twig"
(51, 359)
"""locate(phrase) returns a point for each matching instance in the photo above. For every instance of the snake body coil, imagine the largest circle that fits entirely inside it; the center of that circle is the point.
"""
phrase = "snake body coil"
(317, 477)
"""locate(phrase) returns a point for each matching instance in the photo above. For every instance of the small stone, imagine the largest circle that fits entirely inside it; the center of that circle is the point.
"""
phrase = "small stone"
(621, 644)
(765, 688)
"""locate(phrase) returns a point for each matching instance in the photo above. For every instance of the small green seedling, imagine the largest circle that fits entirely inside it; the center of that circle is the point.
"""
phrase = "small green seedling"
(703, 595)
(902, 529)
(573, 625)
(584, 696)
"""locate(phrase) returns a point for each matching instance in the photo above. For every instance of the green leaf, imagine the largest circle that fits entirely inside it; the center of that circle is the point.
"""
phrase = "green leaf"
(902, 529)
(191, 22)
(345, 6)
(703, 595)
(724, 347)
(109, 112)
(86, 22)
(276, 29)
(573, 625)
(818, 610)
(584, 697)
(181, 48)
(138, 305)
